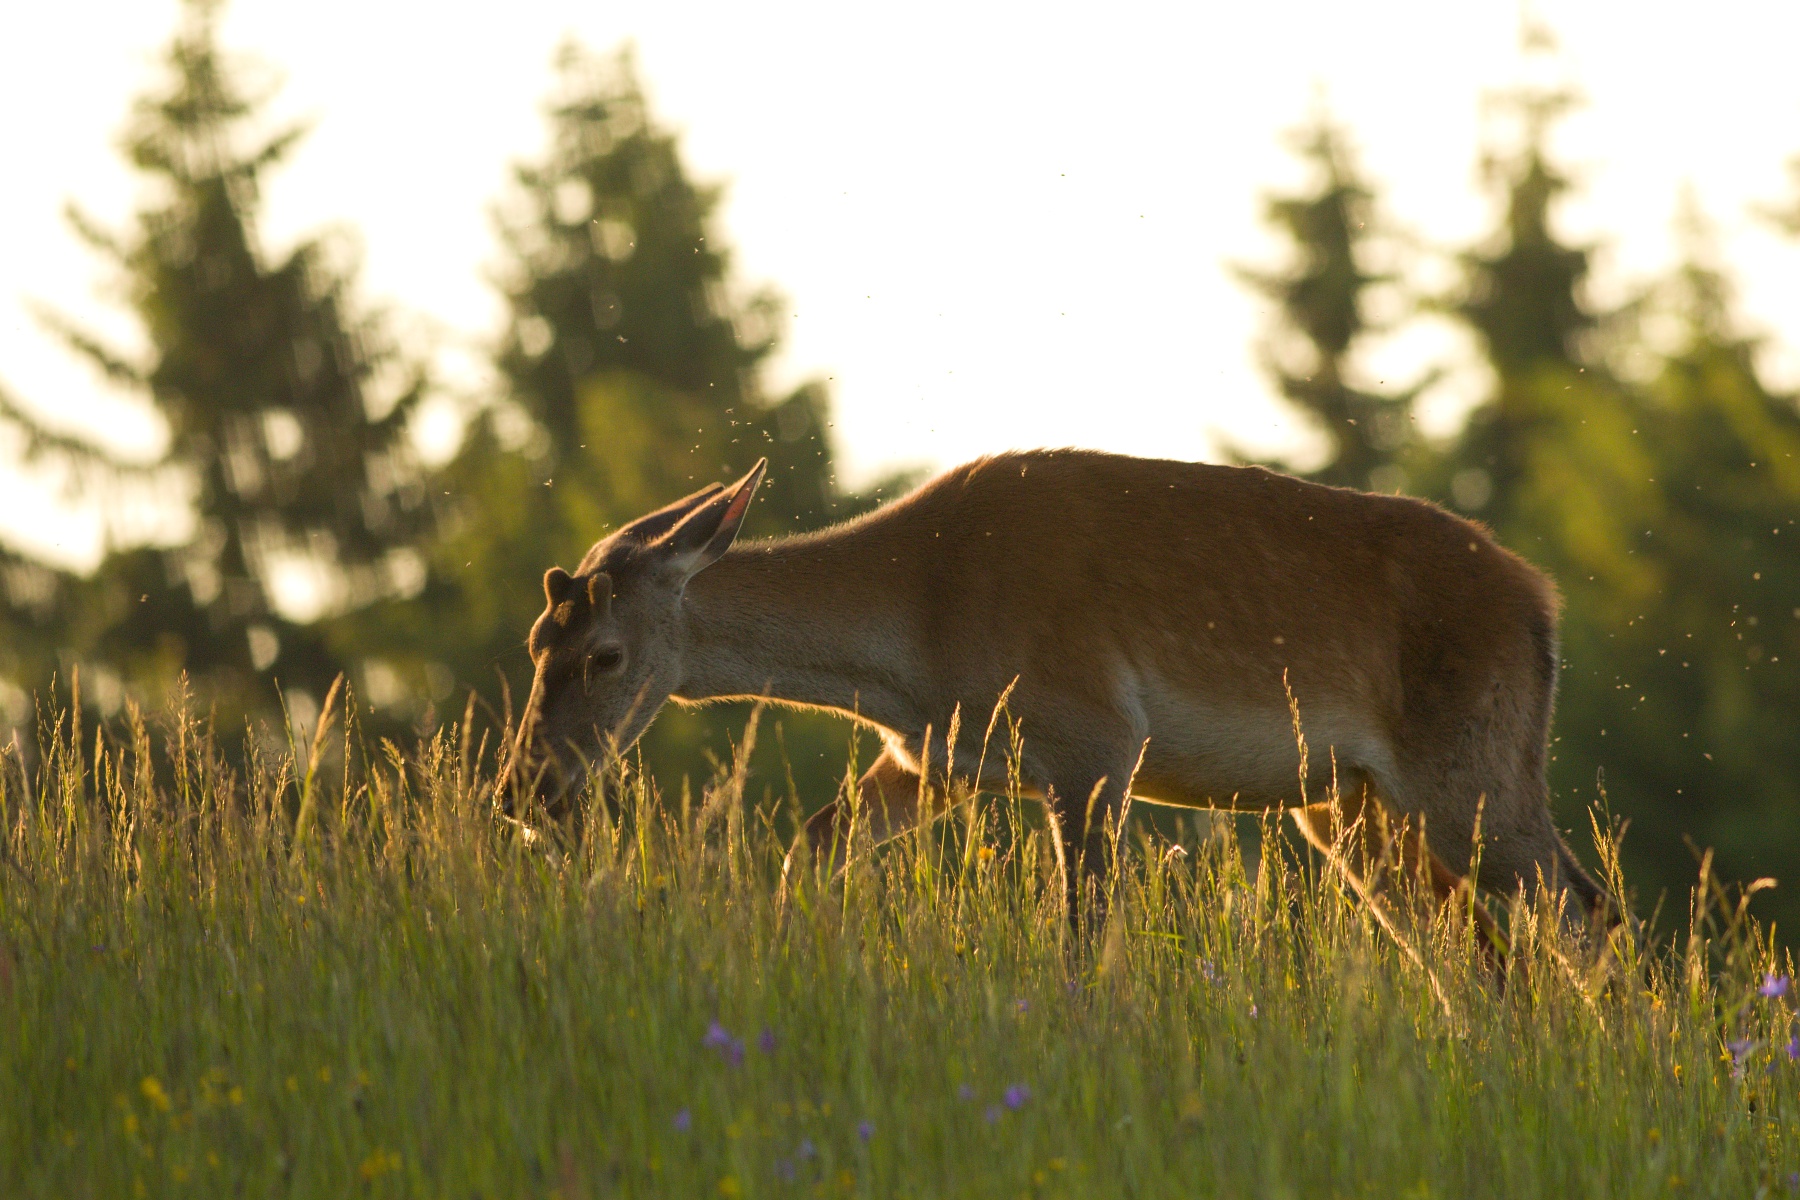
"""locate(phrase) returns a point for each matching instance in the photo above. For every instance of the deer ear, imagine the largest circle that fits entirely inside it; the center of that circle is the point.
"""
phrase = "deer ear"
(599, 593)
(651, 526)
(704, 535)
(558, 583)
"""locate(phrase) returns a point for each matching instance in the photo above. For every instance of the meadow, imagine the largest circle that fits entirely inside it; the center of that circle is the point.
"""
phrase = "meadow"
(322, 969)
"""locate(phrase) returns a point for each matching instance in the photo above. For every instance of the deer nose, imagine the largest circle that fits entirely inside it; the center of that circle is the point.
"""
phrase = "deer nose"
(506, 789)
(550, 787)
(522, 779)
(534, 782)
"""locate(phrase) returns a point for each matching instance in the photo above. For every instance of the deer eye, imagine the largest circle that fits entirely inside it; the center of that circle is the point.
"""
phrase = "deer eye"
(607, 659)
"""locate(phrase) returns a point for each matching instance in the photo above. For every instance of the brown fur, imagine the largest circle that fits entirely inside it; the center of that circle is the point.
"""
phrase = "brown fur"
(1144, 608)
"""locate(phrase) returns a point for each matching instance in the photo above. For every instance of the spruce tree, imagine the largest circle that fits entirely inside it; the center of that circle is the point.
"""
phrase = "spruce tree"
(1786, 215)
(1556, 460)
(1321, 319)
(1713, 661)
(1660, 507)
(1524, 301)
(292, 459)
(630, 374)
(627, 345)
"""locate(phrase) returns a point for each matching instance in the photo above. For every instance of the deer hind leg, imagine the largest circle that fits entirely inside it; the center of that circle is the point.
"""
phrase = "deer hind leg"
(1383, 859)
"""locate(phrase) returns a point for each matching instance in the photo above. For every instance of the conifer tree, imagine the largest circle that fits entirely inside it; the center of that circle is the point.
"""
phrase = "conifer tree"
(1786, 216)
(1322, 298)
(1641, 499)
(630, 374)
(1712, 659)
(291, 458)
(1524, 300)
(1555, 459)
(624, 321)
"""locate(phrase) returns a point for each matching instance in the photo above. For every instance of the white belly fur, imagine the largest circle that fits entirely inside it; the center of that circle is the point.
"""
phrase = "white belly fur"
(1203, 754)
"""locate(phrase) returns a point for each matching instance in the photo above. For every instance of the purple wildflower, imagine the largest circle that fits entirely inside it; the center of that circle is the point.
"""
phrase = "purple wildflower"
(1016, 1096)
(1739, 1048)
(1774, 986)
(684, 1121)
(807, 1149)
(1021, 1006)
(965, 1092)
(1793, 1181)
(765, 1041)
(719, 1038)
(992, 1114)
(785, 1169)
(1793, 1048)
(1253, 1010)
(865, 1130)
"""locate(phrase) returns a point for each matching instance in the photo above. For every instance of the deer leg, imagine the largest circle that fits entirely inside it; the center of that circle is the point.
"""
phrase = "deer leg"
(888, 801)
(1378, 859)
(1417, 860)
(1534, 852)
(1088, 817)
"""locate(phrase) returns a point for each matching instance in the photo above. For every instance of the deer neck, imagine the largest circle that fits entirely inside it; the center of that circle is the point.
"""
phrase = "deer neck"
(802, 621)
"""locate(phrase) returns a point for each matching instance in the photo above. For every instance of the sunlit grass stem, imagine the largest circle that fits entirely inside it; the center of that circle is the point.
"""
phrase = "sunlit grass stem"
(218, 977)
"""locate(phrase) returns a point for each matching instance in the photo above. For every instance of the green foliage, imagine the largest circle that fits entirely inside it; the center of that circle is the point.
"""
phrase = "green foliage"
(1523, 299)
(1662, 505)
(280, 440)
(1696, 686)
(630, 370)
(402, 1001)
(1660, 498)
(630, 373)
(1322, 297)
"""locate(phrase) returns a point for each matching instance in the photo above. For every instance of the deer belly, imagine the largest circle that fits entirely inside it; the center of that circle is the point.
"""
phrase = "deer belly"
(1207, 756)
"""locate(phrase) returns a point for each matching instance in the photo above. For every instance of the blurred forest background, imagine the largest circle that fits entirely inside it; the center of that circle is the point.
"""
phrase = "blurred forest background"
(1634, 452)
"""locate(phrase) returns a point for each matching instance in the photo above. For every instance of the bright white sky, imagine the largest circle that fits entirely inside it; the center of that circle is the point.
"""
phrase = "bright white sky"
(999, 225)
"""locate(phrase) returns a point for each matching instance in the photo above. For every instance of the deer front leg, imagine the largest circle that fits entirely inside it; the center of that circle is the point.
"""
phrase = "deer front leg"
(1379, 858)
(888, 799)
(1088, 813)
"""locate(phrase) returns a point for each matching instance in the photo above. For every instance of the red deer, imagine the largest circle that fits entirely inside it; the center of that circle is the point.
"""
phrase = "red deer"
(1152, 619)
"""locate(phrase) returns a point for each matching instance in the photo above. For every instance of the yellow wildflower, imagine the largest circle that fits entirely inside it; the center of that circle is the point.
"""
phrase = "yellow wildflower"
(153, 1092)
(379, 1163)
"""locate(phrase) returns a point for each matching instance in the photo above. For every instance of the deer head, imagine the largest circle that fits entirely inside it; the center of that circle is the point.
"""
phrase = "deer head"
(607, 648)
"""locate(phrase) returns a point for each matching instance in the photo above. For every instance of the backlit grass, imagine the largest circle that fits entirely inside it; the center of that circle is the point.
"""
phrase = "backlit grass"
(399, 999)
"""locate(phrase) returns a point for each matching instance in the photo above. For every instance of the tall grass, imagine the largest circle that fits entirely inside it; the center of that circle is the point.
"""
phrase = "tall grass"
(202, 994)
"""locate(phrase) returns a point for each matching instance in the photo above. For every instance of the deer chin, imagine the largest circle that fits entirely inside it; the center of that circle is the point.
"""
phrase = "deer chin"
(555, 779)
(533, 839)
